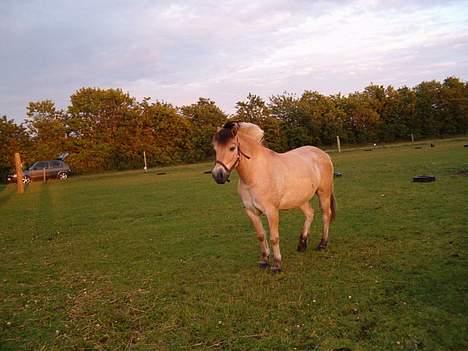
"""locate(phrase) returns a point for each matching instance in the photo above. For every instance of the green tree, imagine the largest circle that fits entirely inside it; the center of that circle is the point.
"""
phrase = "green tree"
(312, 119)
(46, 126)
(165, 134)
(362, 120)
(397, 115)
(204, 117)
(99, 122)
(454, 106)
(13, 138)
(429, 108)
(285, 108)
(322, 117)
(255, 110)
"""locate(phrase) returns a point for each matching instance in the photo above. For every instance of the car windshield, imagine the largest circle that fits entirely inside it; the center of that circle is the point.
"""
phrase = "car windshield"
(40, 165)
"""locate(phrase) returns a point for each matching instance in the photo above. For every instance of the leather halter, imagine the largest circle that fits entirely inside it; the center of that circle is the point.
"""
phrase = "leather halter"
(236, 163)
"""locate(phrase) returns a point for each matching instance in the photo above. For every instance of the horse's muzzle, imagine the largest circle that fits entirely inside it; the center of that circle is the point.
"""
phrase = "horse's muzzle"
(220, 175)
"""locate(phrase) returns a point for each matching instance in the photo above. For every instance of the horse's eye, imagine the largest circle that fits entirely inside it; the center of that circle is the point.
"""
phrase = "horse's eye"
(232, 148)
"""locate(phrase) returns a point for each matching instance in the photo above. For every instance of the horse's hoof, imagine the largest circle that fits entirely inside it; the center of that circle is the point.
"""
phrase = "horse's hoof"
(302, 246)
(322, 246)
(263, 264)
(275, 269)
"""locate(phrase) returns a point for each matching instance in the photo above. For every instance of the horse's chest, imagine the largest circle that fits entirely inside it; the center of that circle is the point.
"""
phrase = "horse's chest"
(250, 199)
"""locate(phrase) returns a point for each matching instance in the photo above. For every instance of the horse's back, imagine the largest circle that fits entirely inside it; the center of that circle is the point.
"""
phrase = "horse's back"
(310, 157)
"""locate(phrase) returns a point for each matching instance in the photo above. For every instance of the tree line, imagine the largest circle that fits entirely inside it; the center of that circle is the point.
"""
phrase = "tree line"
(106, 129)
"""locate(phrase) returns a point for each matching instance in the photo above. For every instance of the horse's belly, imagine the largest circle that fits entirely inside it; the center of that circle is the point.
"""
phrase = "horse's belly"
(297, 195)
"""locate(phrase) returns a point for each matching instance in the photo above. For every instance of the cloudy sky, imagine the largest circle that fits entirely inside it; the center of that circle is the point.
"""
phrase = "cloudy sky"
(177, 51)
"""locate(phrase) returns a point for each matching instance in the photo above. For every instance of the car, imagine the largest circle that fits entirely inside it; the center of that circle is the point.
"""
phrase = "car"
(52, 168)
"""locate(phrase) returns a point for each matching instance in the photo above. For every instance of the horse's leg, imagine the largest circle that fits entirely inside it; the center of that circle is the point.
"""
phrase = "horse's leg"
(309, 217)
(257, 223)
(273, 223)
(325, 206)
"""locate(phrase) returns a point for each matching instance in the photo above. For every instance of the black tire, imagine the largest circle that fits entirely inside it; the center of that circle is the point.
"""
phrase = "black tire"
(424, 179)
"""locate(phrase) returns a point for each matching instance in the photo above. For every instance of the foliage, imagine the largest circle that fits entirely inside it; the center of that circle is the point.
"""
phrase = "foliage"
(13, 138)
(46, 127)
(255, 110)
(106, 129)
(204, 118)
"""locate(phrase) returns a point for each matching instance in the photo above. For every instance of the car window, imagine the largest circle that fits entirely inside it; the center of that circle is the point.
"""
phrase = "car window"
(41, 165)
(55, 164)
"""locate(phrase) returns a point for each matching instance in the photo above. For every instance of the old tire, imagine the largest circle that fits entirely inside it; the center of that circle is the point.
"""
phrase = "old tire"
(424, 179)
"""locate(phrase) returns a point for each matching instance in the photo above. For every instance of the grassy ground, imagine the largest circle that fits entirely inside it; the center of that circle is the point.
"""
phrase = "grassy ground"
(168, 262)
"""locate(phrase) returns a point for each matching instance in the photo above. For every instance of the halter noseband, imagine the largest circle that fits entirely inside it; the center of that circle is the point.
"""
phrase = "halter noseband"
(236, 163)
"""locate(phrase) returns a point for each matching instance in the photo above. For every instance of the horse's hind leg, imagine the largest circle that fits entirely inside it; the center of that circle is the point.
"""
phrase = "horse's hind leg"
(257, 223)
(309, 217)
(325, 206)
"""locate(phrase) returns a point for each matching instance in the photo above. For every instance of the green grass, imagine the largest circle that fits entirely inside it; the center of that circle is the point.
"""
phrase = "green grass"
(168, 262)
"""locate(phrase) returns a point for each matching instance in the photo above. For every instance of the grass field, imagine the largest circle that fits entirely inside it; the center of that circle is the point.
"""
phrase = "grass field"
(169, 262)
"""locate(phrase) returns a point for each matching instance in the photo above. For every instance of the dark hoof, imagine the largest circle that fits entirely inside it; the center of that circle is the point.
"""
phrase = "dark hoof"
(302, 246)
(275, 269)
(322, 246)
(263, 264)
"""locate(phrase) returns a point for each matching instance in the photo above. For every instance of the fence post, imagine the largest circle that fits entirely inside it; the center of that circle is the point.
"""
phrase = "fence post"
(19, 174)
(412, 138)
(338, 143)
(144, 158)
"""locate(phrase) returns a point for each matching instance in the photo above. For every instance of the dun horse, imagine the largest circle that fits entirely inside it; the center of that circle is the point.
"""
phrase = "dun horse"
(271, 181)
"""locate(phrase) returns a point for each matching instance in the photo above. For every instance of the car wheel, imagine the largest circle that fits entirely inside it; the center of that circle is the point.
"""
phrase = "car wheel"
(62, 176)
(26, 180)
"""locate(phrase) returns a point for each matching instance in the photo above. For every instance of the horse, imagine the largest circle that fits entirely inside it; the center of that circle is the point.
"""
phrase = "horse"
(270, 181)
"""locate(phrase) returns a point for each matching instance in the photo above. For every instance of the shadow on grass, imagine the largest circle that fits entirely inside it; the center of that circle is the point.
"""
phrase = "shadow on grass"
(5, 193)
(45, 220)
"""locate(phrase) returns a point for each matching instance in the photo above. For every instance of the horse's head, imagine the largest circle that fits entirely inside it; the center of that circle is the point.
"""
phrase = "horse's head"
(226, 145)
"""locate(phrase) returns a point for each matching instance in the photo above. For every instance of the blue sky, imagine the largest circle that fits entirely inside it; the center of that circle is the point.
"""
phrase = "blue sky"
(177, 51)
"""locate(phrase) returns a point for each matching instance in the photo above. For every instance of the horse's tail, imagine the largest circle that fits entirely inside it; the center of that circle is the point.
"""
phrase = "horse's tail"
(332, 206)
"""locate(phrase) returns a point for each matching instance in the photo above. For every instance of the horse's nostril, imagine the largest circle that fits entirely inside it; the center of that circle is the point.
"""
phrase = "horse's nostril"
(219, 176)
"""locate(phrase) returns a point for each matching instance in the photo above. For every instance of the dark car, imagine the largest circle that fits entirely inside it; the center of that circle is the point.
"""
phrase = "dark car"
(53, 169)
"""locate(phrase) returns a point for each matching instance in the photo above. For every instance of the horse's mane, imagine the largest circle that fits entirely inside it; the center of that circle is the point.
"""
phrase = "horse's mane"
(251, 130)
(231, 129)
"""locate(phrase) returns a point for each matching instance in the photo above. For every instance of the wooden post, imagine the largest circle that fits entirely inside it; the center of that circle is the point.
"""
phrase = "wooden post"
(412, 138)
(19, 173)
(44, 179)
(338, 143)
(144, 158)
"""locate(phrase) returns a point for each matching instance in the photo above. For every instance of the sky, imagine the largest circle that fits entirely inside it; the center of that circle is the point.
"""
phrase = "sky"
(178, 51)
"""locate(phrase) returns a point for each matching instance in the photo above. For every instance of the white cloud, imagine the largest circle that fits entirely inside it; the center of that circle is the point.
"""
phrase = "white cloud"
(180, 50)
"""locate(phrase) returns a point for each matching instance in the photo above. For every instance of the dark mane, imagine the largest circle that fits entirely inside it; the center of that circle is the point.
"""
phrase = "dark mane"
(225, 134)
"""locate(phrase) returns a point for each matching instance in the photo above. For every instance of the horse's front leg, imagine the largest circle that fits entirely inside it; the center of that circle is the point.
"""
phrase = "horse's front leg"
(273, 222)
(257, 223)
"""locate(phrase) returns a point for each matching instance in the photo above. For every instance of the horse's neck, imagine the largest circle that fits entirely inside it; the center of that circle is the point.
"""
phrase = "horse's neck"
(256, 152)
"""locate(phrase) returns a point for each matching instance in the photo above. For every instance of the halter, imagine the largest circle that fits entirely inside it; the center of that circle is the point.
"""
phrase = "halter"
(236, 163)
